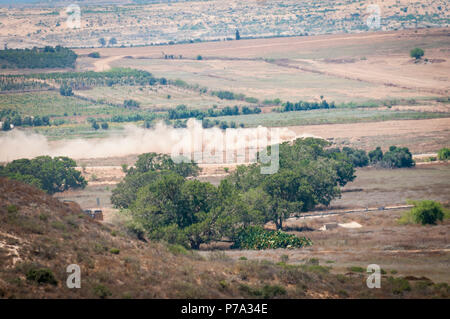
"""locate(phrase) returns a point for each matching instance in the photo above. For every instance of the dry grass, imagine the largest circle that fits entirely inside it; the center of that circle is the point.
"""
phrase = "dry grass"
(50, 234)
(402, 250)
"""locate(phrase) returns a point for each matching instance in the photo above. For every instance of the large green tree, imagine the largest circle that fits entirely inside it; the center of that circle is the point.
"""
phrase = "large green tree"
(182, 211)
(50, 174)
(309, 175)
(167, 204)
(148, 167)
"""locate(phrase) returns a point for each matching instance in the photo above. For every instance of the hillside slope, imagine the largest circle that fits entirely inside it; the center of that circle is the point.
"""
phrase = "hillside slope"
(40, 236)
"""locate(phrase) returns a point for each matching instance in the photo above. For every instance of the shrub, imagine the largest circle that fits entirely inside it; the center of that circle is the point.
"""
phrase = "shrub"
(444, 154)
(256, 237)
(177, 249)
(65, 90)
(356, 269)
(6, 126)
(131, 103)
(95, 125)
(357, 157)
(427, 212)
(102, 291)
(376, 155)
(42, 276)
(399, 285)
(94, 55)
(269, 292)
(114, 251)
(12, 209)
(417, 53)
(316, 268)
(397, 157)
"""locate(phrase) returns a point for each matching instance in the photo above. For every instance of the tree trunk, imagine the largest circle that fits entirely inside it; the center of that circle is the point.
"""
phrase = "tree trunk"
(195, 244)
(279, 223)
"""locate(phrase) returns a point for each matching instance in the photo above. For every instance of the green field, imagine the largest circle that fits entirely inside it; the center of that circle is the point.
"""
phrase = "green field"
(158, 98)
(51, 104)
(334, 116)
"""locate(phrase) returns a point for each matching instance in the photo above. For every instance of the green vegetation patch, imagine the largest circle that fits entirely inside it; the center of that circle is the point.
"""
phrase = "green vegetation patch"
(426, 212)
(42, 276)
(329, 116)
(49, 174)
(444, 154)
(47, 57)
(258, 238)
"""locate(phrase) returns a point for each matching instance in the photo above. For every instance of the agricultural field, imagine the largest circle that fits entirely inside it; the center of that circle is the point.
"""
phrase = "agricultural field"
(49, 103)
(159, 98)
(328, 117)
(348, 70)
(340, 68)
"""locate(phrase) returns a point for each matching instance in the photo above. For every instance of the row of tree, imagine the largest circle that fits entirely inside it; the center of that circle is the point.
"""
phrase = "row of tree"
(16, 121)
(20, 83)
(305, 106)
(47, 57)
(89, 79)
(182, 112)
(395, 157)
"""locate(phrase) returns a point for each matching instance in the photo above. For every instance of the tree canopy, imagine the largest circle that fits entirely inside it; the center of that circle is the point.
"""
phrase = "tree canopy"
(167, 204)
(47, 57)
(50, 174)
(148, 168)
(417, 53)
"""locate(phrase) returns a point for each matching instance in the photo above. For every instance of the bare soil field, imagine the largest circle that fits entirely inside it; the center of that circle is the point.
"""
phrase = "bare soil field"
(368, 66)
(383, 187)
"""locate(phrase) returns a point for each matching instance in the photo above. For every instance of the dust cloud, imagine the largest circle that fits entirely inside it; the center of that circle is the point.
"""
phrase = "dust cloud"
(17, 144)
